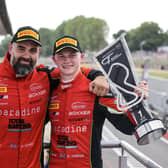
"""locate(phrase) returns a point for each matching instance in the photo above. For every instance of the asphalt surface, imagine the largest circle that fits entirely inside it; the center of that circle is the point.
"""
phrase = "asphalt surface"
(157, 150)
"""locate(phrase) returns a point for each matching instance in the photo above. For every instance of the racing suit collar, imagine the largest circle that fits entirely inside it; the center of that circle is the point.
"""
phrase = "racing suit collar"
(68, 84)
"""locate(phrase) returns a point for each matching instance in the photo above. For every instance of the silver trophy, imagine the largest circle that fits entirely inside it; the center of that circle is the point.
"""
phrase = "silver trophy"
(116, 62)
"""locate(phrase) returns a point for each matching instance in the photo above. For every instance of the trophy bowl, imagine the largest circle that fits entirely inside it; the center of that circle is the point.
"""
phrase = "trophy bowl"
(149, 131)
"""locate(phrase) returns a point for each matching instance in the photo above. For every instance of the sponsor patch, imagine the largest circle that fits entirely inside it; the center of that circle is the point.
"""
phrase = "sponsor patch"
(35, 86)
(19, 125)
(13, 145)
(28, 33)
(54, 106)
(40, 93)
(66, 40)
(66, 142)
(3, 96)
(79, 105)
(3, 89)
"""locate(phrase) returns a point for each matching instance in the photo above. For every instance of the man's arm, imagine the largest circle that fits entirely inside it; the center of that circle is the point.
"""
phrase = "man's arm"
(123, 121)
(118, 119)
(99, 84)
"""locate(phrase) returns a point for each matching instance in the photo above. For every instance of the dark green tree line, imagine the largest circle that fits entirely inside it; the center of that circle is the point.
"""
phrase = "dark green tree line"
(92, 34)
(4, 45)
(148, 36)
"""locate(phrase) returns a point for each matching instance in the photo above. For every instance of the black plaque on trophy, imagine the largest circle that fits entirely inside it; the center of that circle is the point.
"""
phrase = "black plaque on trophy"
(117, 64)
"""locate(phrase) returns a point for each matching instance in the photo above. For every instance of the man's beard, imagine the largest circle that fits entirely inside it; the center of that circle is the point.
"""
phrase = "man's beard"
(23, 69)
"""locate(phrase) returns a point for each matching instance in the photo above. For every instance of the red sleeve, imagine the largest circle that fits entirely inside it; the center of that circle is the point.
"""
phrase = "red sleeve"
(86, 70)
(55, 73)
(131, 117)
(111, 102)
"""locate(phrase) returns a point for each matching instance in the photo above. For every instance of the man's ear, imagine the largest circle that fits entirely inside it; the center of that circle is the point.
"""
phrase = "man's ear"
(53, 58)
(82, 56)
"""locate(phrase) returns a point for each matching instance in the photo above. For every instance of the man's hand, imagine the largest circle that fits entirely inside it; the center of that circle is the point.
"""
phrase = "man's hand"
(99, 86)
(144, 86)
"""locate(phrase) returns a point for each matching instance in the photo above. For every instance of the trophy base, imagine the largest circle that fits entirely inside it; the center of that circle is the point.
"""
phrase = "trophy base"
(149, 130)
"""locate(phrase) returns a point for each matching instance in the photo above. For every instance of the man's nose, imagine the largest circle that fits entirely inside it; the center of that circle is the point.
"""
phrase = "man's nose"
(67, 58)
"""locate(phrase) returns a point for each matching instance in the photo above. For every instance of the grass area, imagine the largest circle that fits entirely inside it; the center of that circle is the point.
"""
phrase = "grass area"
(156, 73)
(159, 74)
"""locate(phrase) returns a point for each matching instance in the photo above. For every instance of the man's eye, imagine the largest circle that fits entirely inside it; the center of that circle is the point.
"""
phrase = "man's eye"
(20, 48)
(72, 55)
(33, 50)
(61, 56)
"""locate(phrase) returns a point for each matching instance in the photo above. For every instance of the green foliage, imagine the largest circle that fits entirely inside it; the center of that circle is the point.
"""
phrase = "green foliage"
(4, 45)
(116, 35)
(91, 32)
(47, 39)
(165, 37)
(148, 36)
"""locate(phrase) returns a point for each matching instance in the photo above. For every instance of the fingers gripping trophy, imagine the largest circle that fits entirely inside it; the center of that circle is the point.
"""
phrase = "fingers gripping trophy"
(116, 62)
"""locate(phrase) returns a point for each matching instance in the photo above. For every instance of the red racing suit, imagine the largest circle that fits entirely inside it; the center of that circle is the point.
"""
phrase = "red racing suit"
(77, 118)
(23, 104)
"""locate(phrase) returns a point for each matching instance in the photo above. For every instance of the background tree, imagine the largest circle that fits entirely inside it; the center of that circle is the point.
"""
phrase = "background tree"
(165, 38)
(4, 45)
(118, 34)
(47, 39)
(91, 32)
(147, 36)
